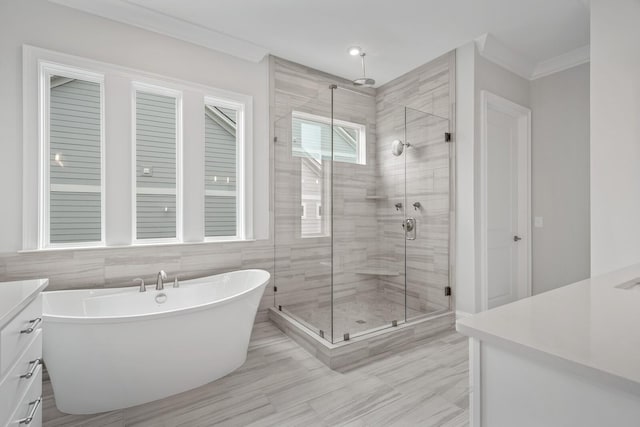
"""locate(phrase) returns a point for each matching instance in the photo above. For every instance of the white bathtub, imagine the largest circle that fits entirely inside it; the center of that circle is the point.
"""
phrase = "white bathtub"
(109, 349)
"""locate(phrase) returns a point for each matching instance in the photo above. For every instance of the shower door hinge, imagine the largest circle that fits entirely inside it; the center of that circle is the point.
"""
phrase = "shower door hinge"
(447, 137)
(321, 333)
(279, 308)
(275, 289)
(346, 336)
(394, 323)
(447, 291)
(275, 139)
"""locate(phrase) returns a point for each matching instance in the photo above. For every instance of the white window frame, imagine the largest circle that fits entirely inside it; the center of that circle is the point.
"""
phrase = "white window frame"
(46, 70)
(241, 169)
(118, 230)
(361, 147)
(138, 86)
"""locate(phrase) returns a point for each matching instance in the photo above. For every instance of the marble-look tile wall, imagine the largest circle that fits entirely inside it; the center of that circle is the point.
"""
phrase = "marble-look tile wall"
(368, 247)
(304, 265)
(422, 173)
(115, 267)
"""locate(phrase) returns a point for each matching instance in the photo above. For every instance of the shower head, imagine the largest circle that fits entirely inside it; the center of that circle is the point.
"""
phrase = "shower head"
(364, 80)
(397, 147)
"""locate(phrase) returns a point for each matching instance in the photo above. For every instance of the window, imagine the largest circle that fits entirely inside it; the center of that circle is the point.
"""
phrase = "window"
(72, 153)
(312, 144)
(222, 161)
(157, 142)
(116, 157)
(312, 138)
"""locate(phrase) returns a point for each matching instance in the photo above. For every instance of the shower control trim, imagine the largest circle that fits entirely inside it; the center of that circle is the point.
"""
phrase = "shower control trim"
(409, 226)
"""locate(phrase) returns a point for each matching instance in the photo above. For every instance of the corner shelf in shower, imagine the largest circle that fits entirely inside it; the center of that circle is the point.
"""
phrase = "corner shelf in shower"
(376, 270)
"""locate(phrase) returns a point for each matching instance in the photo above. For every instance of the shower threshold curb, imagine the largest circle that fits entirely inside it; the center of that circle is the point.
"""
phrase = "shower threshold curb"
(364, 348)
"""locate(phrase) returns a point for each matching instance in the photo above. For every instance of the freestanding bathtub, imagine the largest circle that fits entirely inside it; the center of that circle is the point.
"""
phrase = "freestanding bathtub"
(109, 349)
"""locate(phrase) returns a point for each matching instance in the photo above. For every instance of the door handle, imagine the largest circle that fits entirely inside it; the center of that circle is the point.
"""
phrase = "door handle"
(516, 238)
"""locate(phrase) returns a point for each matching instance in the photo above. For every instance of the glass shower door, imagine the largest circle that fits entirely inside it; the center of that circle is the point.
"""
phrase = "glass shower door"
(368, 189)
(428, 190)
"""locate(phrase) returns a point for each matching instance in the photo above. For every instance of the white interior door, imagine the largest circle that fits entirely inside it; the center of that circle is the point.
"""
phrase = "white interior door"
(506, 201)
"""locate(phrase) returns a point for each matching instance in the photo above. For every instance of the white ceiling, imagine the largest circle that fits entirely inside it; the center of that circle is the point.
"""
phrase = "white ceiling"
(397, 35)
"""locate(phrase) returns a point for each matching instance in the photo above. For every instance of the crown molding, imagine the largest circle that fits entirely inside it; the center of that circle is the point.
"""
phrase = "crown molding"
(130, 13)
(562, 62)
(492, 49)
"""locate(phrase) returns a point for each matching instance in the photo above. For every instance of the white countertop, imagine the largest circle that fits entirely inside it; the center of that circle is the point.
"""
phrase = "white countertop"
(15, 296)
(591, 324)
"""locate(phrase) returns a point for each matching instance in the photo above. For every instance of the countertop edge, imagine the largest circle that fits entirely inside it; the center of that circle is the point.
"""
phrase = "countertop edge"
(8, 316)
(574, 366)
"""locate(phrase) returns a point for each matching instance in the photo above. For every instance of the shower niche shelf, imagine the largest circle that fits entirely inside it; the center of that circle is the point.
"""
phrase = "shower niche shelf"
(376, 197)
(376, 270)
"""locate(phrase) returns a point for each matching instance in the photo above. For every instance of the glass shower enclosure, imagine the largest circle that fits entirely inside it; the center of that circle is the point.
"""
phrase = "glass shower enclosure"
(362, 214)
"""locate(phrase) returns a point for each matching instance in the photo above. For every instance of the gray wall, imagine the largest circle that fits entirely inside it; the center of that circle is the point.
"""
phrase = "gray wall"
(560, 166)
(559, 150)
(493, 78)
(560, 190)
(615, 134)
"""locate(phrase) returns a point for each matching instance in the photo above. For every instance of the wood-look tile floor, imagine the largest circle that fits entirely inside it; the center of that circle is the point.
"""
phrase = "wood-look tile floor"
(283, 385)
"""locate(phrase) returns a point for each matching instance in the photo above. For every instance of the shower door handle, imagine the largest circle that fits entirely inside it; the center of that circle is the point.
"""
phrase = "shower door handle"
(409, 226)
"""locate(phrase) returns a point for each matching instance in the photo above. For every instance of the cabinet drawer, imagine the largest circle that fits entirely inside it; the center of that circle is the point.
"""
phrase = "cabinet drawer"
(18, 333)
(20, 376)
(28, 411)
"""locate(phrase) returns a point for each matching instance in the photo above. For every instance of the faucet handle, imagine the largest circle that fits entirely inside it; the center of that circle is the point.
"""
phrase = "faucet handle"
(143, 288)
(176, 283)
(163, 275)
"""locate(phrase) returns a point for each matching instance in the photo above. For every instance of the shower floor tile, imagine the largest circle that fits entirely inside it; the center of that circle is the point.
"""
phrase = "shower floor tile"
(355, 314)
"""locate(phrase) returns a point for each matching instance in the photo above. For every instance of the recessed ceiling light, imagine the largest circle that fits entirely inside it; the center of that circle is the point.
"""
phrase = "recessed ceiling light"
(355, 51)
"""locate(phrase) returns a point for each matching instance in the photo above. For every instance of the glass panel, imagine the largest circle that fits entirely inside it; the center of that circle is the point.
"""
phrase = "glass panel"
(220, 164)
(428, 201)
(75, 200)
(312, 144)
(368, 245)
(302, 205)
(156, 144)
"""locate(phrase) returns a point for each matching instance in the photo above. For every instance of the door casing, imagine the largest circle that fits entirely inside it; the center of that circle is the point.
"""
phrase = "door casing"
(489, 101)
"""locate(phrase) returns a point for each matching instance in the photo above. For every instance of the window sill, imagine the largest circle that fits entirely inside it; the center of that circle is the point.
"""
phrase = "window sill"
(136, 245)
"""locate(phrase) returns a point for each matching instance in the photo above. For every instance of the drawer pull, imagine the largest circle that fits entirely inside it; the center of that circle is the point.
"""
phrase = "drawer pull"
(32, 413)
(33, 325)
(34, 365)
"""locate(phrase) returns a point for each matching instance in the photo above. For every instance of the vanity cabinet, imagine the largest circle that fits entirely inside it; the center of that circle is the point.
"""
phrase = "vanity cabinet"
(21, 353)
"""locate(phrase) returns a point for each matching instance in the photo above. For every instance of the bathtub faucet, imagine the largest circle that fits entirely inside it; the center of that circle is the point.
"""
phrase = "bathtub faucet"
(162, 276)
(141, 283)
